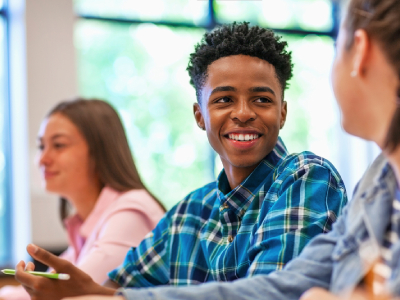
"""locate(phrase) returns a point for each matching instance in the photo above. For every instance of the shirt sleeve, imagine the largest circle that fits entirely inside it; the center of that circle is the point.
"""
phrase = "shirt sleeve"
(312, 268)
(148, 264)
(122, 230)
(307, 203)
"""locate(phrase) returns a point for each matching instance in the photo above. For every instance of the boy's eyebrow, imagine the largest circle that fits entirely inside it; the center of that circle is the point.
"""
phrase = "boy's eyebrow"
(252, 90)
(223, 89)
(261, 89)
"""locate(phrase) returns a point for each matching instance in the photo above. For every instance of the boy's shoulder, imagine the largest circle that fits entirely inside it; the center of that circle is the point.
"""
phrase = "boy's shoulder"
(307, 161)
(299, 160)
(205, 192)
(204, 196)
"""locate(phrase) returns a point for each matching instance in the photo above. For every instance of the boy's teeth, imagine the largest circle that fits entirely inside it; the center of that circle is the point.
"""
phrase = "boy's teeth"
(243, 137)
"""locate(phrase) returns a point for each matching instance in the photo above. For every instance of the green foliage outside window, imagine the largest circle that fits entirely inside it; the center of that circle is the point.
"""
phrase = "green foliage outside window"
(141, 70)
(312, 111)
(283, 14)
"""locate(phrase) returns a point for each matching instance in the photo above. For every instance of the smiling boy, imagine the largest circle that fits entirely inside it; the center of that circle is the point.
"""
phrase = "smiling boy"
(240, 108)
(266, 203)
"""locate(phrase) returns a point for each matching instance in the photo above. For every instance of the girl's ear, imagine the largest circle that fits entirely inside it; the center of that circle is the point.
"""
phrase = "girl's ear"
(361, 50)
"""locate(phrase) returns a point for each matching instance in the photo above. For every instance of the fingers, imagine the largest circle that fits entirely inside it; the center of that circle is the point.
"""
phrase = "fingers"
(317, 294)
(46, 257)
(30, 266)
(358, 294)
(20, 266)
(111, 284)
(22, 277)
(361, 294)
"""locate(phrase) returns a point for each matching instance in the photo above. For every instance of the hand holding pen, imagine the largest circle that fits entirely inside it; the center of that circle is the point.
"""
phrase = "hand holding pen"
(39, 287)
(59, 276)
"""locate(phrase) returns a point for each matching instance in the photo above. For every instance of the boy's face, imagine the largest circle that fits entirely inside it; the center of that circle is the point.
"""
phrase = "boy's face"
(241, 110)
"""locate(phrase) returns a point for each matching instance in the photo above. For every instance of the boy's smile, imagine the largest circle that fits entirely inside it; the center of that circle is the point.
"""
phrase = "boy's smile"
(242, 112)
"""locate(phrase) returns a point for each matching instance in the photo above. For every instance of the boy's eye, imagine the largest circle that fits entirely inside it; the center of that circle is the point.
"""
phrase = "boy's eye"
(224, 100)
(40, 147)
(263, 100)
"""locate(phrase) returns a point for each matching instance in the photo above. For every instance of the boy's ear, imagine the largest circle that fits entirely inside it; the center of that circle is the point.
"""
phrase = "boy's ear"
(283, 114)
(198, 116)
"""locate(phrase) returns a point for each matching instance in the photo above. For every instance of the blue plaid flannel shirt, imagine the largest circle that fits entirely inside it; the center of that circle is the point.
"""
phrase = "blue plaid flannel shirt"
(214, 234)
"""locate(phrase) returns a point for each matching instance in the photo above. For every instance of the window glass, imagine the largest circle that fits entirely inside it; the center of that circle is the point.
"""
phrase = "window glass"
(145, 78)
(141, 70)
(4, 209)
(192, 11)
(312, 118)
(282, 14)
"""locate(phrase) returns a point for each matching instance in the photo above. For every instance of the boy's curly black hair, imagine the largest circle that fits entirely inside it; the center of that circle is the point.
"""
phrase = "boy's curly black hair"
(239, 39)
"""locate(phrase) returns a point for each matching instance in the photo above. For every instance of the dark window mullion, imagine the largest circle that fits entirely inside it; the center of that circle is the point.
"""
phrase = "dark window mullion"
(303, 32)
(335, 18)
(135, 21)
(209, 27)
(212, 22)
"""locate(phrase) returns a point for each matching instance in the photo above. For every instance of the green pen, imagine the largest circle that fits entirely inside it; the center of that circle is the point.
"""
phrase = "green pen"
(43, 274)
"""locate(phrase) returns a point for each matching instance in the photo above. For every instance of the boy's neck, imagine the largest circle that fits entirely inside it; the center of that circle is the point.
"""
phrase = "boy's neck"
(236, 175)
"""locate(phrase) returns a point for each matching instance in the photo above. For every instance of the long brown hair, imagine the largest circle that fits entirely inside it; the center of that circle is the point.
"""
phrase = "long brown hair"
(102, 129)
(381, 20)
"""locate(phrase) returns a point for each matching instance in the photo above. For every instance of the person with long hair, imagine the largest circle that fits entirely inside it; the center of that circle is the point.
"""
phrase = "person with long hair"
(359, 258)
(85, 158)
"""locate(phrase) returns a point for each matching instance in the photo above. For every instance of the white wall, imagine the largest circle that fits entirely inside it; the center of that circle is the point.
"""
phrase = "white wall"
(51, 77)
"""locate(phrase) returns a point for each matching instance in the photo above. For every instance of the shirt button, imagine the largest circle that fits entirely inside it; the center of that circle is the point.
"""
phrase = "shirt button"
(230, 238)
(225, 205)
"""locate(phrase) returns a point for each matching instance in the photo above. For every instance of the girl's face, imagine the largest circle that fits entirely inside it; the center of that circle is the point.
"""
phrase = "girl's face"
(64, 159)
(364, 84)
(345, 88)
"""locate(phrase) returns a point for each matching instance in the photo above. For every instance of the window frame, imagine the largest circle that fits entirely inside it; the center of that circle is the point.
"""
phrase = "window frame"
(212, 22)
(4, 15)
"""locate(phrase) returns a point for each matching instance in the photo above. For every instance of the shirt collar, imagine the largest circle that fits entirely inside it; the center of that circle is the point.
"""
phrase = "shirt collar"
(387, 178)
(383, 179)
(240, 197)
(106, 197)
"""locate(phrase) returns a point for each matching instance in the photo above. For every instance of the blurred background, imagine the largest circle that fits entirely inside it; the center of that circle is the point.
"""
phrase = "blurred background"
(134, 54)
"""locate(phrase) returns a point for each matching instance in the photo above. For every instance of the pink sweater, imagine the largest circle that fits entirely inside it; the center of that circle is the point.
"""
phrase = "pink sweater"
(99, 244)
